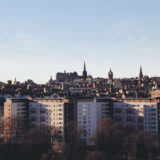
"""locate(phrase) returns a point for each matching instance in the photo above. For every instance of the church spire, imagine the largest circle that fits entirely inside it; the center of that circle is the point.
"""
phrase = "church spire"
(141, 73)
(84, 66)
(84, 71)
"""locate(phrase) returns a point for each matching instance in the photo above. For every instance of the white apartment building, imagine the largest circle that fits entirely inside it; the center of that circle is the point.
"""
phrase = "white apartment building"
(90, 113)
(48, 113)
(38, 112)
(142, 113)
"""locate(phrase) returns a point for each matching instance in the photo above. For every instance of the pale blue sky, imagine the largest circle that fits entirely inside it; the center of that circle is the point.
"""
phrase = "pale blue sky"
(41, 37)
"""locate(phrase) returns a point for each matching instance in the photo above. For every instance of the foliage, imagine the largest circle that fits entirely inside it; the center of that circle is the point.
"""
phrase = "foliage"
(112, 142)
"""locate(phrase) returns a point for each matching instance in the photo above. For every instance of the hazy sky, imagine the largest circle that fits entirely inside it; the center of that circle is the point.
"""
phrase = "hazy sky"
(41, 37)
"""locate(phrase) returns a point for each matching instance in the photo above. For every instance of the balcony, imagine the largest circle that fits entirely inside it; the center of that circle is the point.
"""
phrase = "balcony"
(130, 119)
(118, 119)
(42, 110)
(118, 110)
(140, 120)
(42, 119)
(33, 110)
(129, 111)
(33, 118)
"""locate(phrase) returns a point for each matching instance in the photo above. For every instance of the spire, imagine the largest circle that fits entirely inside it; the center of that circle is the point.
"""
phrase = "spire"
(15, 81)
(141, 69)
(110, 72)
(141, 73)
(84, 71)
(84, 66)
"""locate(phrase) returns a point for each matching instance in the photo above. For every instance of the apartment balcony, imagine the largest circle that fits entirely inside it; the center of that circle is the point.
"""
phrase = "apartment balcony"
(140, 119)
(33, 110)
(129, 111)
(130, 119)
(42, 110)
(42, 119)
(33, 118)
(118, 110)
(118, 119)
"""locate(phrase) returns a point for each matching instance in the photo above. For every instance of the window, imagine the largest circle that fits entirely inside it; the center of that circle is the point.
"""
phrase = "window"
(84, 109)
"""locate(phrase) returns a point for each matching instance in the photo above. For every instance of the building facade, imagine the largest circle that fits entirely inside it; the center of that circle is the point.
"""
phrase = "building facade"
(90, 113)
(52, 113)
(16, 118)
(141, 113)
(86, 113)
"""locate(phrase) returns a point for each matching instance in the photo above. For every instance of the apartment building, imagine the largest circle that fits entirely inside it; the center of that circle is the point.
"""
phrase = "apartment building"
(87, 113)
(15, 117)
(47, 112)
(2, 100)
(90, 112)
(142, 113)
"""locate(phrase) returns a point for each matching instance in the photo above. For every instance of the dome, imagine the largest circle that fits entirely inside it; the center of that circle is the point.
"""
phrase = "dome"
(51, 81)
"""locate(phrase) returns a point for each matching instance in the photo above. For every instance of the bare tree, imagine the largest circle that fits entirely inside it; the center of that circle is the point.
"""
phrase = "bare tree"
(74, 148)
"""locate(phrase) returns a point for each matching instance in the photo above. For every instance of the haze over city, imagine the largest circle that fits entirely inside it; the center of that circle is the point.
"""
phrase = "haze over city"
(39, 38)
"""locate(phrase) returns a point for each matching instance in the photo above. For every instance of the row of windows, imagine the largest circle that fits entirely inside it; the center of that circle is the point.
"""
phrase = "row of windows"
(83, 122)
(45, 105)
(57, 118)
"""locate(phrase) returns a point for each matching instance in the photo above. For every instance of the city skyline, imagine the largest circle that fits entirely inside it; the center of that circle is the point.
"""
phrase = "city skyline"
(82, 74)
(38, 39)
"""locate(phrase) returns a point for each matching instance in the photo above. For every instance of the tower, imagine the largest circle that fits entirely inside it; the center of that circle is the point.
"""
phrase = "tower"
(140, 80)
(84, 72)
(15, 81)
(110, 75)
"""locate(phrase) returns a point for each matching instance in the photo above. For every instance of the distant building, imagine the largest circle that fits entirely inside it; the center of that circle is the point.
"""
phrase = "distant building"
(70, 77)
(51, 82)
(155, 93)
(66, 77)
(110, 76)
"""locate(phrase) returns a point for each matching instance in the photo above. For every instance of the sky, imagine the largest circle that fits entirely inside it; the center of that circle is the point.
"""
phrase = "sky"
(41, 37)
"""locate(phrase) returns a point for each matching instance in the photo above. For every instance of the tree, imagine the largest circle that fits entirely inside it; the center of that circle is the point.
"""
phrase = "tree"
(125, 142)
(110, 139)
(74, 148)
(14, 128)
